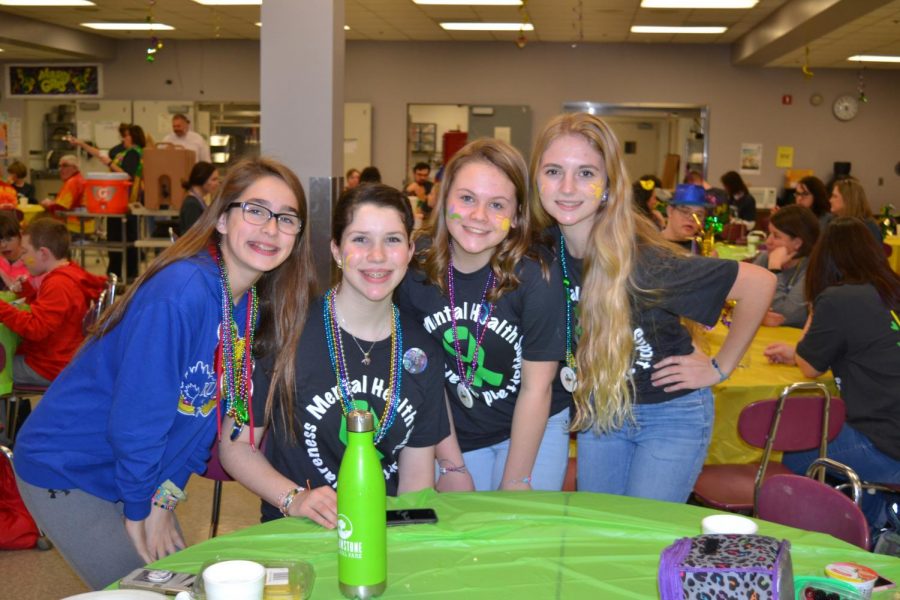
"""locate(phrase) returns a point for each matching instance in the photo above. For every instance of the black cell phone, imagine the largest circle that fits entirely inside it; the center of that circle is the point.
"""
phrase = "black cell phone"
(882, 584)
(411, 516)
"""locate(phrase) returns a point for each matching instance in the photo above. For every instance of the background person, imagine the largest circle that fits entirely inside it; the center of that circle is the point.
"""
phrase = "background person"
(201, 184)
(681, 228)
(102, 460)
(793, 232)
(854, 330)
(740, 200)
(51, 330)
(848, 199)
(644, 193)
(811, 193)
(351, 180)
(370, 175)
(367, 341)
(183, 136)
(18, 174)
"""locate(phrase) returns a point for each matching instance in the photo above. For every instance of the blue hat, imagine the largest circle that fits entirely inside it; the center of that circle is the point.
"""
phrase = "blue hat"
(690, 195)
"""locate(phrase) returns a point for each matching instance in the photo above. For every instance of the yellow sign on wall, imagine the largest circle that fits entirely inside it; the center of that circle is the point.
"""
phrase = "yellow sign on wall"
(784, 157)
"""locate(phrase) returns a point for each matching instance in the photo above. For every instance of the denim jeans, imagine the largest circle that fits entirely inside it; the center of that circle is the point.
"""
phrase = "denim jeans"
(857, 452)
(659, 455)
(487, 464)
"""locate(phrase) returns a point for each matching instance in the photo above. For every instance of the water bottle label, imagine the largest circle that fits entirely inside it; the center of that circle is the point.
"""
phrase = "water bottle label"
(346, 547)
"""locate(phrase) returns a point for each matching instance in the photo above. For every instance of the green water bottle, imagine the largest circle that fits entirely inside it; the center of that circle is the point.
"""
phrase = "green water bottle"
(362, 527)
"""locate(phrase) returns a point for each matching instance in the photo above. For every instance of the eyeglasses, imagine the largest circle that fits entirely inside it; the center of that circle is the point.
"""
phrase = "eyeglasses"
(807, 193)
(688, 211)
(256, 214)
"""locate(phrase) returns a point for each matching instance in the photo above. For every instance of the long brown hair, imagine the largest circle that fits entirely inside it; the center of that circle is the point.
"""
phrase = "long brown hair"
(798, 222)
(518, 242)
(604, 396)
(284, 292)
(847, 253)
(855, 202)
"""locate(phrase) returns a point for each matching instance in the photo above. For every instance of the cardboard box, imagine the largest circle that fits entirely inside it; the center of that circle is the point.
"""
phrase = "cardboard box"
(165, 167)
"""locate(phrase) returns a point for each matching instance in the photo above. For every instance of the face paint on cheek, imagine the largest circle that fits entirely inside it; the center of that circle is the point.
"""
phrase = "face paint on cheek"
(598, 191)
(28, 260)
(452, 214)
(350, 259)
(504, 224)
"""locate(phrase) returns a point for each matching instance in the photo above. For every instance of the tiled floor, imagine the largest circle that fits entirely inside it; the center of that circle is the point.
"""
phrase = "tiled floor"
(39, 575)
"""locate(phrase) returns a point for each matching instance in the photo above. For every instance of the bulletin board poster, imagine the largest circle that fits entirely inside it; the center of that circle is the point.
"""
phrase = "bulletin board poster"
(4, 135)
(49, 81)
(751, 159)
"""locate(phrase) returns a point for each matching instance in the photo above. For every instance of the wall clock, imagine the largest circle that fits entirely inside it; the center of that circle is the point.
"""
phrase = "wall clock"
(845, 107)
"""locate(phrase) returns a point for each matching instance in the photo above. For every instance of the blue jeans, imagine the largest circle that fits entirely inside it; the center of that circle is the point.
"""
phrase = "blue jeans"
(857, 452)
(487, 464)
(659, 455)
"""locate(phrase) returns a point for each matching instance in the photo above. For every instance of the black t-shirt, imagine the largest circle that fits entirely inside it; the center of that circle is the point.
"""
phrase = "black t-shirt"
(854, 334)
(526, 324)
(676, 286)
(421, 418)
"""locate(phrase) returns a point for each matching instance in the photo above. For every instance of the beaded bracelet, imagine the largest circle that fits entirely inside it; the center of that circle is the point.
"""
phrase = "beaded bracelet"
(526, 479)
(288, 498)
(164, 499)
(451, 468)
(715, 364)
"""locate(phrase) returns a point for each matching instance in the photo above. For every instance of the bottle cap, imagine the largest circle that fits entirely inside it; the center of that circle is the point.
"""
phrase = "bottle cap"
(360, 421)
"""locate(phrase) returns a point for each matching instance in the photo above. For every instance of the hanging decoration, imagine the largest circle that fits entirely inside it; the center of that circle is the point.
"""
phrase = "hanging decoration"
(578, 23)
(521, 40)
(155, 43)
(861, 85)
(807, 73)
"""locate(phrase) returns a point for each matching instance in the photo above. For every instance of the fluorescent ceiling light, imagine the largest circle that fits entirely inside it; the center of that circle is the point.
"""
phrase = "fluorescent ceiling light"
(470, 2)
(129, 26)
(229, 2)
(874, 58)
(662, 29)
(700, 4)
(488, 26)
(46, 3)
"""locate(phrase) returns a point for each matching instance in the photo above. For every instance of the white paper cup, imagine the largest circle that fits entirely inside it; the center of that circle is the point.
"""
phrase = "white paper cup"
(234, 580)
(728, 524)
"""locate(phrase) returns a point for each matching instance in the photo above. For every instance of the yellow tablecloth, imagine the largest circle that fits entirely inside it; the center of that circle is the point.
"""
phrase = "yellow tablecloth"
(755, 379)
(30, 211)
(894, 242)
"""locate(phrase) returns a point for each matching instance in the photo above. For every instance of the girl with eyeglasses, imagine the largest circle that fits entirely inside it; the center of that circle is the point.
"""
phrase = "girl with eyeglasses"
(356, 351)
(643, 404)
(104, 458)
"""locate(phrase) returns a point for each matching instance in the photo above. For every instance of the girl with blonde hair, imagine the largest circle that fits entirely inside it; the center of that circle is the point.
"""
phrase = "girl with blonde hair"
(483, 292)
(643, 407)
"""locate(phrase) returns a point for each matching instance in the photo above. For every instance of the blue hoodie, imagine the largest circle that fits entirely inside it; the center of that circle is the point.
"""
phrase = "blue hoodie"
(136, 407)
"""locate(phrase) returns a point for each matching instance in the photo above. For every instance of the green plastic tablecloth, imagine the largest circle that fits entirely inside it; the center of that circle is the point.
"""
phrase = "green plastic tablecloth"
(509, 545)
(735, 251)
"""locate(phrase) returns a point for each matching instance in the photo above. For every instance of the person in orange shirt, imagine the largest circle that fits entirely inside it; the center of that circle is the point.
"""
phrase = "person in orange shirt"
(71, 195)
(9, 198)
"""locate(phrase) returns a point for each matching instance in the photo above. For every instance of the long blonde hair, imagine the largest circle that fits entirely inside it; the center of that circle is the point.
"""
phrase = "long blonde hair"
(856, 204)
(435, 259)
(605, 392)
(284, 292)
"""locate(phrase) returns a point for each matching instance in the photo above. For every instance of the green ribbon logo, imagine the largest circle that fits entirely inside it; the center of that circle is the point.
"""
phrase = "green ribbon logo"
(468, 342)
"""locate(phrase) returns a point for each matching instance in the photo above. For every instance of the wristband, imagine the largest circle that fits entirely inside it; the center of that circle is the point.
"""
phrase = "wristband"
(451, 468)
(526, 479)
(288, 499)
(164, 499)
(715, 364)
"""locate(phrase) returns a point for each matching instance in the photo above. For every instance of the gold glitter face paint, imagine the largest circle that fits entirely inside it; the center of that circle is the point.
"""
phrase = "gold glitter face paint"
(598, 190)
(504, 224)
